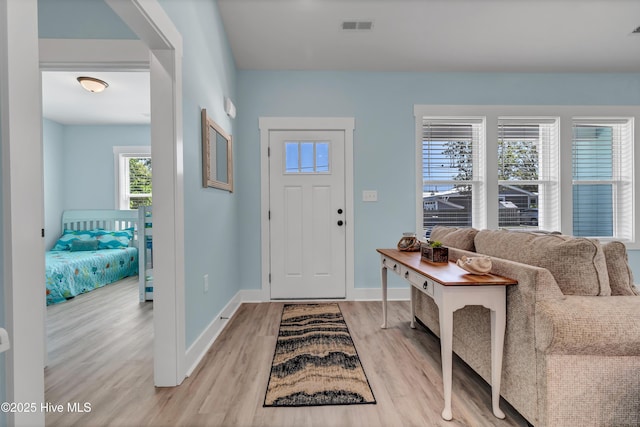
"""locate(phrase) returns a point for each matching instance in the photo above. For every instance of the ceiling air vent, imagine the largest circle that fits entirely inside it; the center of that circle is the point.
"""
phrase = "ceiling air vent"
(357, 25)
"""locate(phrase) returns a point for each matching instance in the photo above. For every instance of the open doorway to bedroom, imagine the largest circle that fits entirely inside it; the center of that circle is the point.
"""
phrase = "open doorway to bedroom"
(97, 160)
(159, 50)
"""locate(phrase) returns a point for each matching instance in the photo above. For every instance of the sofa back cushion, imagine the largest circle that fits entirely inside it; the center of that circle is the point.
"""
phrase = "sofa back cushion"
(460, 238)
(620, 276)
(577, 264)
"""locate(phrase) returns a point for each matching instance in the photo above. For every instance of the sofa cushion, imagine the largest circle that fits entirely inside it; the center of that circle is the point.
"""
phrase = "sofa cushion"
(589, 326)
(578, 264)
(620, 275)
(460, 238)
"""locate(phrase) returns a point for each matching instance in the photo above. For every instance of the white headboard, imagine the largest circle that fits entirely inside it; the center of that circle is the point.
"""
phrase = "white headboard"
(98, 218)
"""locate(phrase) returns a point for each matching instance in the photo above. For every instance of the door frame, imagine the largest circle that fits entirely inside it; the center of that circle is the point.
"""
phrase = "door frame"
(23, 209)
(22, 140)
(268, 124)
(149, 21)
(130, 55)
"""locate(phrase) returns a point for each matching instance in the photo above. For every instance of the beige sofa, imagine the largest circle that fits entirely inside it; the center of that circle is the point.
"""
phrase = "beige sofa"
(572, 343)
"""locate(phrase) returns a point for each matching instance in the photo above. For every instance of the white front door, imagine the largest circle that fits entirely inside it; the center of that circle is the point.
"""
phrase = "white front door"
(307, 214)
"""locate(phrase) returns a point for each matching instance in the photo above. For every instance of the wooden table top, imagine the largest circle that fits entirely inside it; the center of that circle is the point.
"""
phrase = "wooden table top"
(447, 274)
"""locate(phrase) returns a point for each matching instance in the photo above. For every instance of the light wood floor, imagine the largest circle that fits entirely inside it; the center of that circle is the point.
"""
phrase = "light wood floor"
(108, 363)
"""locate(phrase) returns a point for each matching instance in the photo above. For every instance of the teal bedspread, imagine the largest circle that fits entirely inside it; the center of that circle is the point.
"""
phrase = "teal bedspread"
(72, 273)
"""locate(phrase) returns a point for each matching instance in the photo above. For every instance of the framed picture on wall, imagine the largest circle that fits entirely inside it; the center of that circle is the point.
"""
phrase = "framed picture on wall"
(217, 155)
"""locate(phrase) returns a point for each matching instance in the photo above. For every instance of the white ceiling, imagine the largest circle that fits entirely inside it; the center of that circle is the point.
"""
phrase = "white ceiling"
(435, 35)
(125, 101)
(407, 35)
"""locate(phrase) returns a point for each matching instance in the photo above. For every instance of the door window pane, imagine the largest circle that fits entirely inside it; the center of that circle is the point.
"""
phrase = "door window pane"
(322, 157)
(291, 155)
(307, 157)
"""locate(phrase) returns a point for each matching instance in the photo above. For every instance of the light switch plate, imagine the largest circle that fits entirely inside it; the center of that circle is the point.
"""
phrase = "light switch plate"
(370, 196)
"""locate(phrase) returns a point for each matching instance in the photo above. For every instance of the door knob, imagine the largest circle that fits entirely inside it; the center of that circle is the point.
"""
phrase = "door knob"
(339, 211)
(340, 223)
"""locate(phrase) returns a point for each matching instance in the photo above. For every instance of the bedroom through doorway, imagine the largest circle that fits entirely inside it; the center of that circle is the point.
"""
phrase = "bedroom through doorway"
(97, 153)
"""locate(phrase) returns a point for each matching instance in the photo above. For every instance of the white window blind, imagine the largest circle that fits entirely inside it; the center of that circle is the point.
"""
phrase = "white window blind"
(528, 173)
(602, 163)
(452, 171)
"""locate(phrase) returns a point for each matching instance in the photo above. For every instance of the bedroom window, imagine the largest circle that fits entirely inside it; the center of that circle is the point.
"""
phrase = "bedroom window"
(452, 171)
(602, 160)
(133, 175)
(528, 173)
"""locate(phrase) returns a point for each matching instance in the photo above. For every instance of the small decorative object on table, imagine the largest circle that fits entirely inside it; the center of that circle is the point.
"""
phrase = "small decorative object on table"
(479, 265)
(409, 243)
(433, 251)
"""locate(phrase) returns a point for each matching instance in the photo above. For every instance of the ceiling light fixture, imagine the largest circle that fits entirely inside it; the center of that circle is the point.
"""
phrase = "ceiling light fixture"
(92, 84)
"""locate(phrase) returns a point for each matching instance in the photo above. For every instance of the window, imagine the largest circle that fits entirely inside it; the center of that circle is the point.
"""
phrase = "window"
(306, 157)
(527, 173)
(602, 160)
(566, 168)
(133, 176)
(452, 171)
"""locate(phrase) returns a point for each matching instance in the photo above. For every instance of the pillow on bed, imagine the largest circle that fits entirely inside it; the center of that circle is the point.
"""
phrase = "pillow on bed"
(64, 242)
(114, 239)
(130, 231)
(84, 245)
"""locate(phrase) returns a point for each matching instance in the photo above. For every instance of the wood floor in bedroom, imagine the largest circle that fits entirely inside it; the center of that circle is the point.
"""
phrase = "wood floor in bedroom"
(100, 352)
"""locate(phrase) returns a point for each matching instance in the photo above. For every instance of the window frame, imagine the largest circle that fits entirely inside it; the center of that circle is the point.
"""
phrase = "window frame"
(548, 180)
(478, 177)
(121, 154)
(563, 209)
(620, 156)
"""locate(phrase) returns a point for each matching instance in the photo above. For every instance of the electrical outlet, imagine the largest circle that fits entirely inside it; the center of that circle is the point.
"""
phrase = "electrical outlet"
(370, 196)
(205, 283)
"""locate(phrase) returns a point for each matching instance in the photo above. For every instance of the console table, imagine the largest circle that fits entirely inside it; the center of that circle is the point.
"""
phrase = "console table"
(452, 288)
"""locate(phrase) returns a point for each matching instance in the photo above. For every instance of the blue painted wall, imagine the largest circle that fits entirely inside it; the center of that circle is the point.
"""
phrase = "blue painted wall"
(211, 215)
(80, 19)
(384, 142)
(88, 170)
(53, 156)
(79, 168)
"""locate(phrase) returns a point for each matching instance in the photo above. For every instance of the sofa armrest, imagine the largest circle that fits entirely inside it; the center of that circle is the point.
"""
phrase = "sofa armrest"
(589, 325)
(536, 283)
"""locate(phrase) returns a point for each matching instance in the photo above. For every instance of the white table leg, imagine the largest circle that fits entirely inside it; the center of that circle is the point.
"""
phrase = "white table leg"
(383, 275)
(412, 302)
(498, 326)
(446, 348)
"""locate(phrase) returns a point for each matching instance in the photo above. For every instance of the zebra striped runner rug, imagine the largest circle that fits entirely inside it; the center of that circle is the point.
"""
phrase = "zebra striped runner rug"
(315, 362)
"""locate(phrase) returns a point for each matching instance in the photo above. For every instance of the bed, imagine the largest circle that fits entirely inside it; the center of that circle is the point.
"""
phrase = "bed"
(97, 247)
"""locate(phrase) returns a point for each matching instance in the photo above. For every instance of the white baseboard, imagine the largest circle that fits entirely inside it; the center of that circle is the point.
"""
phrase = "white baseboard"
(201, 345)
